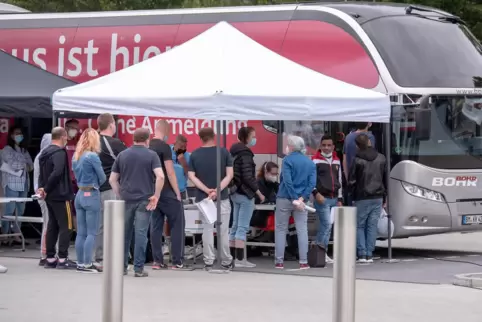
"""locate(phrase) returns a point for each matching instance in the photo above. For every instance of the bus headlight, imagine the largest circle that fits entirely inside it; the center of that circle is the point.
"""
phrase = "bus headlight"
(422, 192)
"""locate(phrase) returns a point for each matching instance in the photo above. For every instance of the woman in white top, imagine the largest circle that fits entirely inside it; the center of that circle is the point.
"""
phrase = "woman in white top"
(16, 185)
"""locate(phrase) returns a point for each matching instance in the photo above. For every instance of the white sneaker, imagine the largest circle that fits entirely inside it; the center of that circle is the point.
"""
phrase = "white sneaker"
(362, 260)
(328, 260)
(3, 269)
(165, 250)
(244, 263)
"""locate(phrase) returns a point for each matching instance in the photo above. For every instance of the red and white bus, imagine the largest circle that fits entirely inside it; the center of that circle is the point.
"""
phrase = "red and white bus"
(404, 51)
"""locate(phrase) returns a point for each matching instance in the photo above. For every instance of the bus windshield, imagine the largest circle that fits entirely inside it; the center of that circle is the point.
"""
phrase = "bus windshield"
(427, 51)
(455, 140)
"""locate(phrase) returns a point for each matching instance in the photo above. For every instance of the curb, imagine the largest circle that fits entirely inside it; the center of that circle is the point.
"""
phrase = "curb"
(472, 280)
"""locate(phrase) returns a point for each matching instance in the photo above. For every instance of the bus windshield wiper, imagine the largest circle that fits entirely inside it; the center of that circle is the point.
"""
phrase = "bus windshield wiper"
(444, 16)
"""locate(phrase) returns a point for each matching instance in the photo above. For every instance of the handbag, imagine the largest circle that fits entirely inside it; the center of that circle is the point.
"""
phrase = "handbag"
(316, 256)
(382, 226)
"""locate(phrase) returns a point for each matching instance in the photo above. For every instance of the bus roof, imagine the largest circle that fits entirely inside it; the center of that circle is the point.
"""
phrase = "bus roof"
(363, 10)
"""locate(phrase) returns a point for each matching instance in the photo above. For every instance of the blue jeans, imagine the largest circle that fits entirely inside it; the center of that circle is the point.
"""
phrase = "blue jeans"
(324, 229)
(11, 207)
(87, 209)
(284, 210)
(137, 220)
(243, 209)
(368, 214)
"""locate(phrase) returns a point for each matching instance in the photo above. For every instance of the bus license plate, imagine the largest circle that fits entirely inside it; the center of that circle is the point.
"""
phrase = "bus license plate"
(472, 220)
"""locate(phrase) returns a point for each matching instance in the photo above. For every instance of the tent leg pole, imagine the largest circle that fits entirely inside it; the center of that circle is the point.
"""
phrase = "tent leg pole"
(225, 140)
(388, 153)
(218, 269)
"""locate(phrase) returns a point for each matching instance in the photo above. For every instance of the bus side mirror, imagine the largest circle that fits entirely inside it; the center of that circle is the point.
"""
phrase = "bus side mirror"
(423, 122)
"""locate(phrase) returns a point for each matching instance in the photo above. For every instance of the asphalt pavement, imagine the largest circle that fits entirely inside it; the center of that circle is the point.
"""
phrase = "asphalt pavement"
(31, 293)
(424, 260)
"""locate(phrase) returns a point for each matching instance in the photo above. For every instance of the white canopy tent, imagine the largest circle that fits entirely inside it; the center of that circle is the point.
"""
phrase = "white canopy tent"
(224, 75)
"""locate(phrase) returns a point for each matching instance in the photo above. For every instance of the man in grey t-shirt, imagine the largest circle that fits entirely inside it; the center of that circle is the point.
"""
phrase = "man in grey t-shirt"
(137, 178)
(202, 172)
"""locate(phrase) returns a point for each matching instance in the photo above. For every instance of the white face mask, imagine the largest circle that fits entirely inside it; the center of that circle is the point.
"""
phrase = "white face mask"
(327, 155)
(72, 133)
(271, 178)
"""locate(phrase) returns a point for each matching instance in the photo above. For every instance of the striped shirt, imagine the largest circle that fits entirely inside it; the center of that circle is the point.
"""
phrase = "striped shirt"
(17, 159)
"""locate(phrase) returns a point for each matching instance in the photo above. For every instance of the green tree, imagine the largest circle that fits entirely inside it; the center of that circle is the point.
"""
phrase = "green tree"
(94, 5)
(469, 11)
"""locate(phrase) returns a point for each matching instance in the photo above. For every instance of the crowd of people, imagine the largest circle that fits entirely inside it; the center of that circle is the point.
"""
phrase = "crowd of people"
(151, 177)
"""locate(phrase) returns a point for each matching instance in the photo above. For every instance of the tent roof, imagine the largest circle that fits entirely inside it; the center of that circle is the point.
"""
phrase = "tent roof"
(26, 90)
(224, 75)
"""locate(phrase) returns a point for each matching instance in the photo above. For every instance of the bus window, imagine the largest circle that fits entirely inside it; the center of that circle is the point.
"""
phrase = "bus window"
(455, 140)
(428, 52)
(310, 131)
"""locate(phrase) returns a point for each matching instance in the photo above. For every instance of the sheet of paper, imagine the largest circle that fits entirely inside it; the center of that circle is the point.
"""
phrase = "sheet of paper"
(208, 208)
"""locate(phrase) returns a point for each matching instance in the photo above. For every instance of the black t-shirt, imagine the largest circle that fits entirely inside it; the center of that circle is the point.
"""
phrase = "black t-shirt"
(164, 152)
(106, 159)
(203, 163)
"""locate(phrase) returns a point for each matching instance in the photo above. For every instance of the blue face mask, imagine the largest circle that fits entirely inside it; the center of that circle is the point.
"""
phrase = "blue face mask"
(18, 138)
(252, 142)
(166, 137)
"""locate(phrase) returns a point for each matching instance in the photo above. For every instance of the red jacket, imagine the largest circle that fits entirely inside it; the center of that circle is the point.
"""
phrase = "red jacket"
(328, 175)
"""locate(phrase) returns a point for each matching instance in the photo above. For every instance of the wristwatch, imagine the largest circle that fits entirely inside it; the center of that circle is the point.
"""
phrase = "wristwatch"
(314, 192)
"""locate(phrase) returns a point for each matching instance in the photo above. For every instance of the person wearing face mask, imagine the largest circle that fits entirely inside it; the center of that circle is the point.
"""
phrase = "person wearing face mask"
(268, 182)
(245, 189)
(297, 181)
(268, 185)
(110, 148)
(55, 187)
(328, 191)
(180, 158)
(17, 158)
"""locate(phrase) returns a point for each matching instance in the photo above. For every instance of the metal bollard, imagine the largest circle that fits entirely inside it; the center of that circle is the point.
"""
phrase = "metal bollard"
(113, 288)
(344, 266)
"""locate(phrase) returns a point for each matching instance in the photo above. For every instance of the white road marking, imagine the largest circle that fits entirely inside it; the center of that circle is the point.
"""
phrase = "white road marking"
(451, 257)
